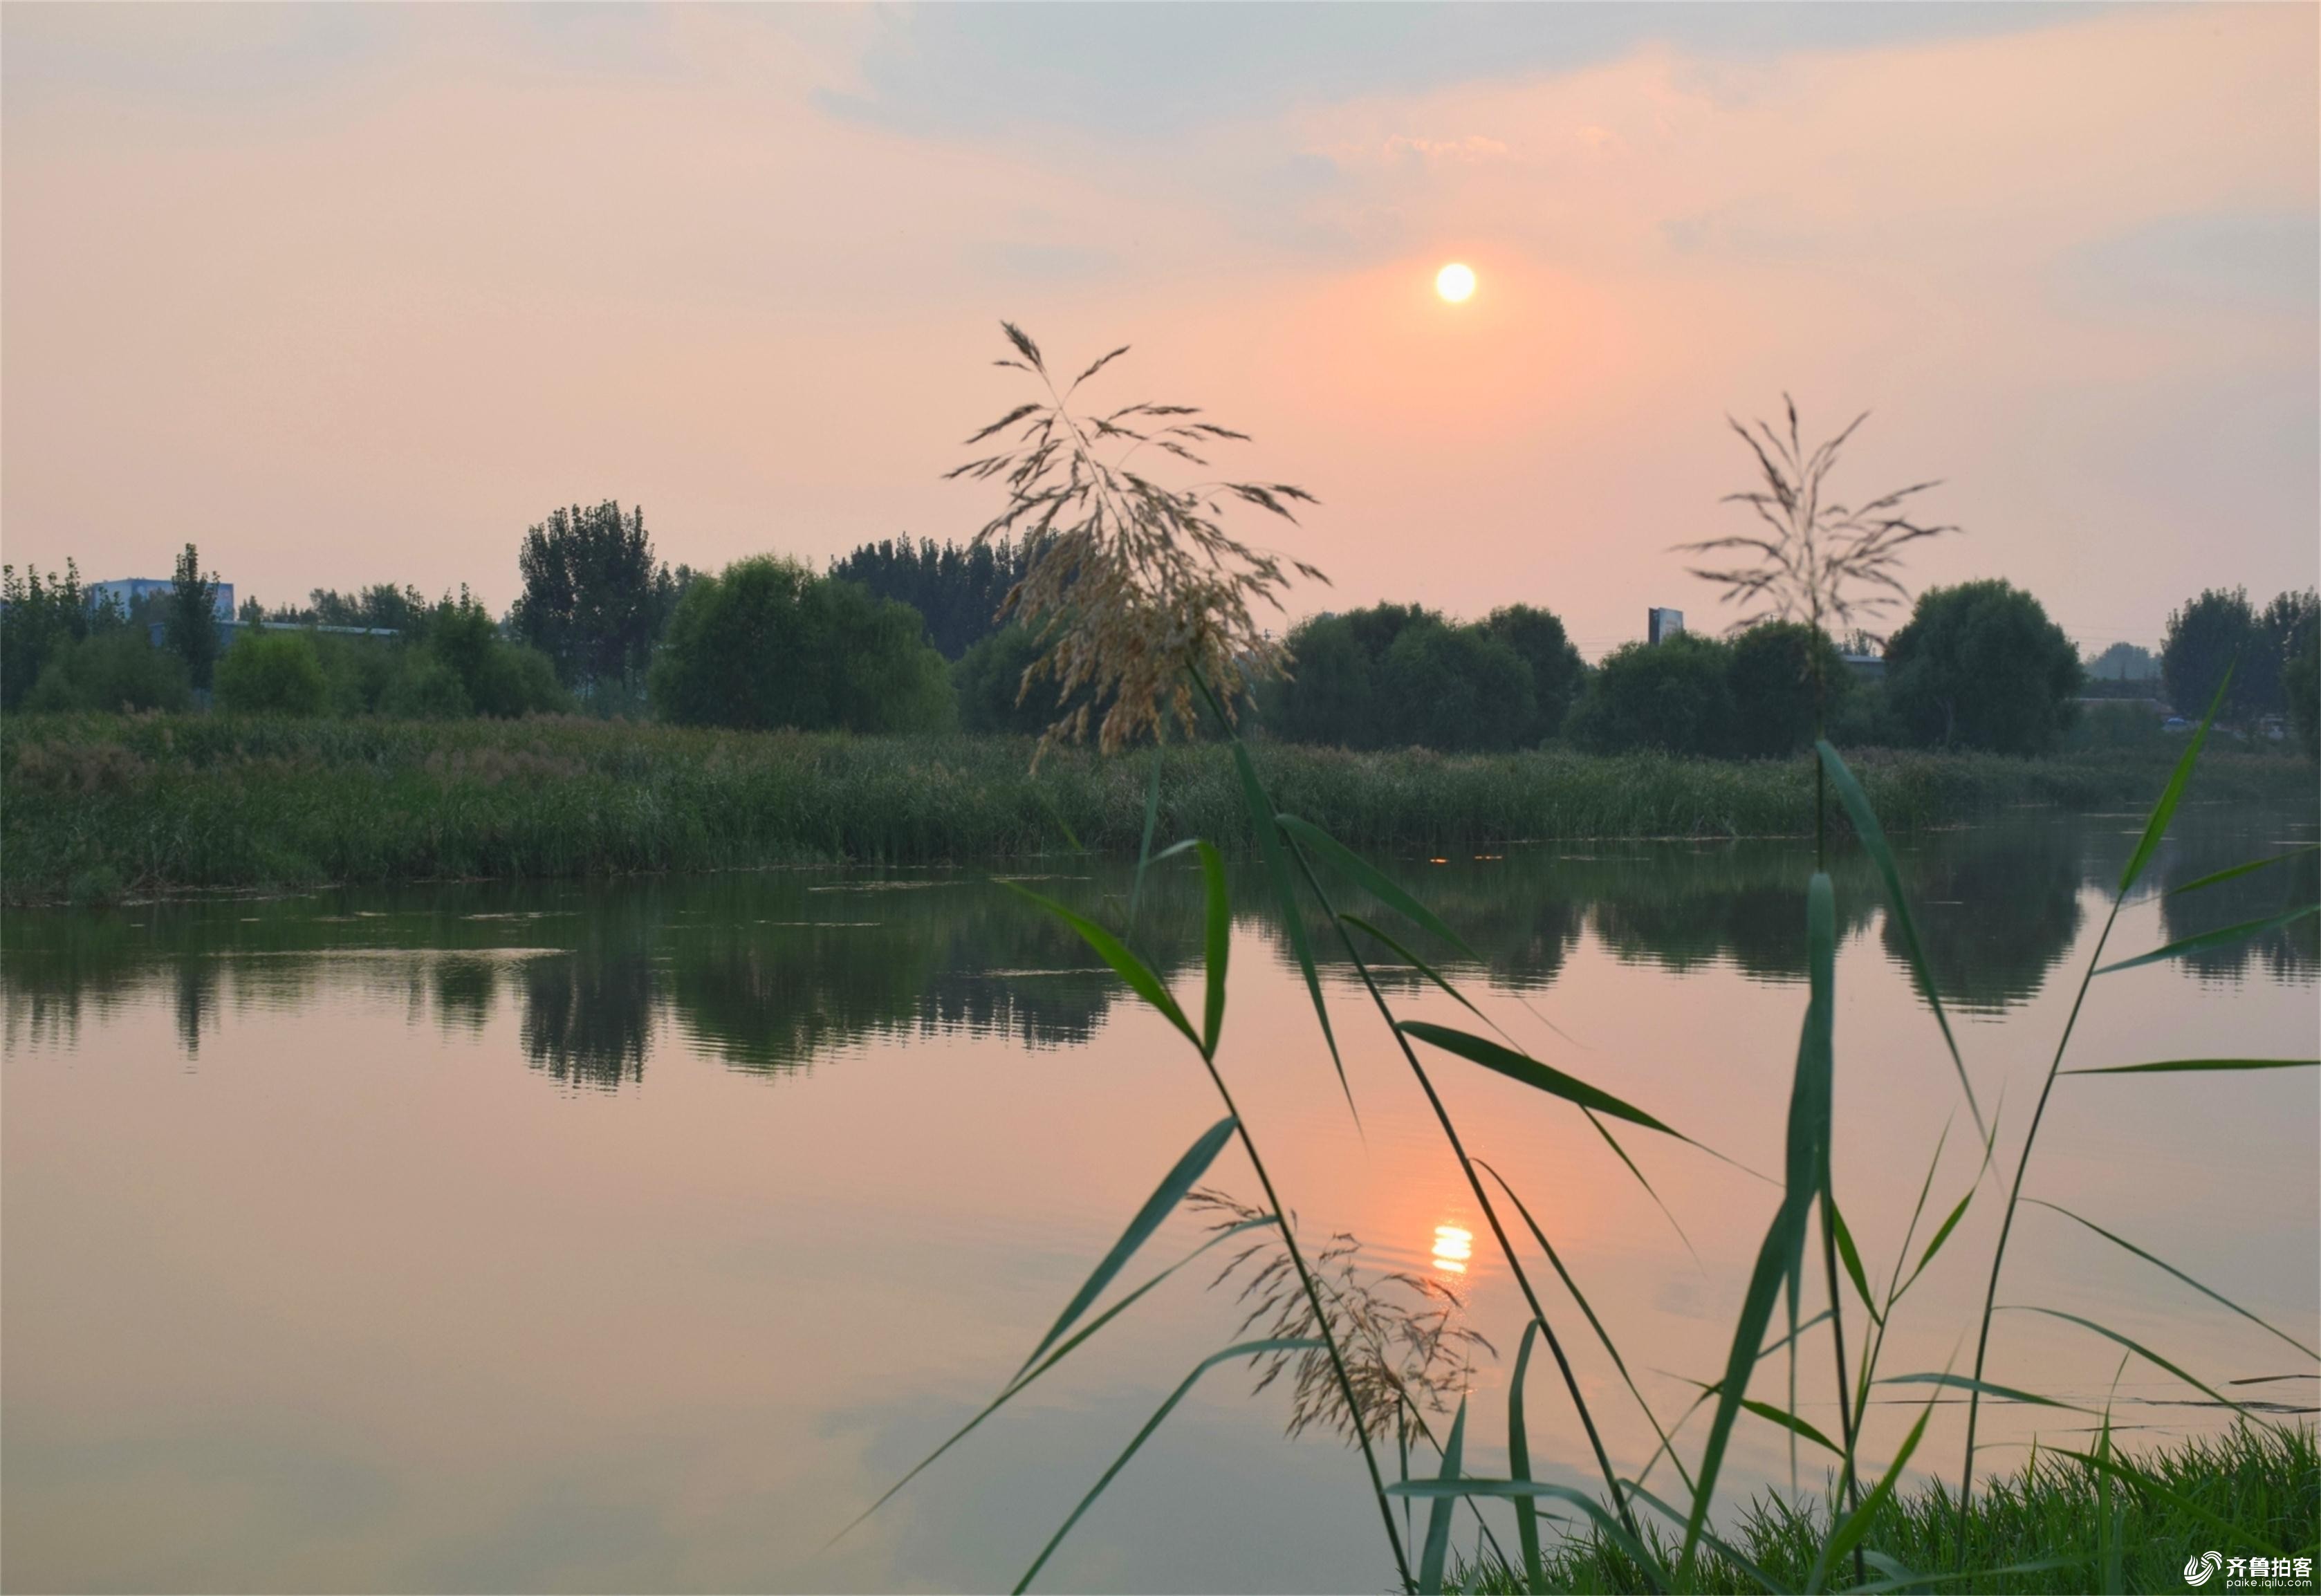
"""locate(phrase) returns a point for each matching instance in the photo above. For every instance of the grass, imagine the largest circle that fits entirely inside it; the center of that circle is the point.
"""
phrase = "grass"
(93, 806)
(2263, 1482)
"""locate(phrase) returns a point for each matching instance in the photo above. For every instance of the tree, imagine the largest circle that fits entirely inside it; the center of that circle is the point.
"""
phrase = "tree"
(957, 589)
(1673, 696)
(190, 623)
(1456, 688)
(113, 669)
(1330, 695)
(2302, 688)
(2205, 639)
(1981, 665)
(2123, 662)
(272, 672)
(593, 597)
(768, 643)
(1556, 670)
(497, 677)
(2280, 628)
(40, 617)
(383, 606)
(1772, 672)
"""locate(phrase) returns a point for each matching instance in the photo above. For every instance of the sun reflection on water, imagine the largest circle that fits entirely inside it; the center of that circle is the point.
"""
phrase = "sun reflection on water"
(1452, 1248)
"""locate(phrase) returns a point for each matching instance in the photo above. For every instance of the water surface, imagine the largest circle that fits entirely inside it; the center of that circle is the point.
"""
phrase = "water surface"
(635, 1235)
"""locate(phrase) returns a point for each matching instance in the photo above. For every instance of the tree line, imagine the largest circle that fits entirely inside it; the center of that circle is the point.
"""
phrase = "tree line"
(905, 635)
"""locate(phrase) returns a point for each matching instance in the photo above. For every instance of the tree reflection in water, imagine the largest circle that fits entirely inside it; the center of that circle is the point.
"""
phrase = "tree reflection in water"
(771, 971)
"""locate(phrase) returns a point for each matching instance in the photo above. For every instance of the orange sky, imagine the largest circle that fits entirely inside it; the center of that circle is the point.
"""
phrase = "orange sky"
(351, 295)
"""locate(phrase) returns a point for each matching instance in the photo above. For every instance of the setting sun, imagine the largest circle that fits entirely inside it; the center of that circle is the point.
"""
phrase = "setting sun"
(1454, 282)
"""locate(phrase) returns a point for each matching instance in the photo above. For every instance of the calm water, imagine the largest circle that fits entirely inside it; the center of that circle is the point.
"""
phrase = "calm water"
(634, 1235)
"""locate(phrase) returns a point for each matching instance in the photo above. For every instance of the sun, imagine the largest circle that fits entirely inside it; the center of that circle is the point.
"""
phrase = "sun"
(1454, 282)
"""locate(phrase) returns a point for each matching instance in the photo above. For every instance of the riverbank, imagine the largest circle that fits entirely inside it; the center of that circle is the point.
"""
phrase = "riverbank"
(99, 806)
(2248, 1493)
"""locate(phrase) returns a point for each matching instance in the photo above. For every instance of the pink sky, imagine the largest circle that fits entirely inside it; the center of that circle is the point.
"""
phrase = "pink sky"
(350, 294)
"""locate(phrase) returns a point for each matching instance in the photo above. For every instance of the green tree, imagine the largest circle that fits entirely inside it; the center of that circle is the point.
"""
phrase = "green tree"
(988, 680)
(40, 617)
(2301, 684)
(190, 621)
(1557, 672)
(768, 643)
(956, 588)
(2280, 629)
(1982, 665)
(1330, 696)
(113, 669)
(1456, 688)
(2205, 639)
(1674, 696)
(498, 678)
(1772, 670)
(272, 672)
(594, 599)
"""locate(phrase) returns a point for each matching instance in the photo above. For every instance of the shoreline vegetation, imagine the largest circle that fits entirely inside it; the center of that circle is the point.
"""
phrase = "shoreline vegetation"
(2251, 1490)
(94, 807)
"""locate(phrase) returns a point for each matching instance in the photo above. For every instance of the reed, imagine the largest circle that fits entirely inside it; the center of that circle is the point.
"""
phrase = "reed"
(1867, 1534)
(98, 805)
(2248, 1487)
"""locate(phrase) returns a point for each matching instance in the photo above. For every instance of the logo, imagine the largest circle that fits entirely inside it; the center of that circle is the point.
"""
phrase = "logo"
(2199, 1570)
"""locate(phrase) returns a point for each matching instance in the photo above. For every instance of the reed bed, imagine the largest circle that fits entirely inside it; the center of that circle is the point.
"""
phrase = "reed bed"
(2265, 1484)
(93, 806)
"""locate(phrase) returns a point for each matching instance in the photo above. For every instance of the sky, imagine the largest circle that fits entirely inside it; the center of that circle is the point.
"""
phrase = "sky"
(356, 293)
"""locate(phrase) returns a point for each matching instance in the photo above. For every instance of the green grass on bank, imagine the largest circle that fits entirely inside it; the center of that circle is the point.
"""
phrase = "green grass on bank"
(98, 805)
(2264, 1485)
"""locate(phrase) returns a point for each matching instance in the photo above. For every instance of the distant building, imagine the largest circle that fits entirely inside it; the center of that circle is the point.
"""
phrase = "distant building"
(1660, 625)
(130, 591)
(1867, 667)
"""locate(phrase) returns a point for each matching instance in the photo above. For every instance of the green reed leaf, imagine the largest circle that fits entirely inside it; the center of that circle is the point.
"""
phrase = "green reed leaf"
(1942, 1234)
(1180, 1179)
(1899, 1578)
(1792, 1423)
(1961, 1382)
(1270, 848)
(2239, 870)
(1873, 839)
(1783, 1237)
(1217, 946)
(1371, 880)
(1852, 1261)
(2158, 1263)
(2141, 1351)
(1856, 1524)
(1115, 952)
(1519, 1067)
(2164, 811)
(1245, 1349)
(2168, 1065)
(2223, 937)
(1437, 1544)
(1519, 1465)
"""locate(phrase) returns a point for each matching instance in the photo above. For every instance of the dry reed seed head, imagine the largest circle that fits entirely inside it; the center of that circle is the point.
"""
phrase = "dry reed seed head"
(1818, 561)
(1133, 586)
(1407, 1354)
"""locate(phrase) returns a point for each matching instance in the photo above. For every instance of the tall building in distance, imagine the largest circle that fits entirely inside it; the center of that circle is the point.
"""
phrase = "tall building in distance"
(1660, 625)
